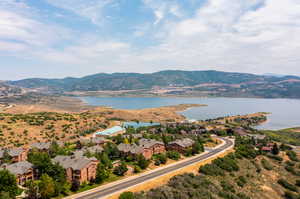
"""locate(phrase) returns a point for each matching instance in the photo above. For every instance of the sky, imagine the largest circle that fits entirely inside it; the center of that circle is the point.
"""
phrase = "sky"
(62, 38)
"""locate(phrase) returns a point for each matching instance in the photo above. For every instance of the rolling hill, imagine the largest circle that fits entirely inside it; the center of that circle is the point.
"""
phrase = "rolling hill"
(213, 83)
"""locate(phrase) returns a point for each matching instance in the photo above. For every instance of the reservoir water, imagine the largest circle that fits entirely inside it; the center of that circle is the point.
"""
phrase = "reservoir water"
(285, 113)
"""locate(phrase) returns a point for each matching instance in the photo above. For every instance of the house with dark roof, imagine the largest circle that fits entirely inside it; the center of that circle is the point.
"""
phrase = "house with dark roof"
(44, 146)
(134, 150)
(78, 169)
(180, 145)
(146, 147)
(16, 154)
(24, 171)
(153, 145)
(41, 146)
(93, 149)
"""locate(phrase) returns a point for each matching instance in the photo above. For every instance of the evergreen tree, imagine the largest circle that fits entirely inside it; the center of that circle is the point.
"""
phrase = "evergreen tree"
(46, 187)
(275, 149)
(142, 162)
(8, 183)
(102, 173)
(121, 169)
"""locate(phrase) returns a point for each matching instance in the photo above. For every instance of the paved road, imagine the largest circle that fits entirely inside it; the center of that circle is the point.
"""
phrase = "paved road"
(126, 184)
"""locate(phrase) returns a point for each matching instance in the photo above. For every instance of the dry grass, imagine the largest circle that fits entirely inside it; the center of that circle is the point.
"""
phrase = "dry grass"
(159, 181)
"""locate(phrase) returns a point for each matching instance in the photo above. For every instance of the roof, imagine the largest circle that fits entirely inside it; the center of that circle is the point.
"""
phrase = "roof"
(186, 142)
(11, 152)
(98, 140)
(19, 168)
(135, 135)
(266, 148)
(148, 143)
(110, 131)
(132, 148)
(95, 149)
(41, 145)
(15, 151)
(257, 136)
(76, 163)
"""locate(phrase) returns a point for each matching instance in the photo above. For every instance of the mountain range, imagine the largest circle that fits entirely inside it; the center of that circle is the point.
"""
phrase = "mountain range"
(209, 83)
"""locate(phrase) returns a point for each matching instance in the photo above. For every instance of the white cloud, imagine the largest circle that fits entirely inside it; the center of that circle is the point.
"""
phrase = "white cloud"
(256, 36)
(90, 9)
(87, 51)
(20, 31)
(237, 35)
(163, 8)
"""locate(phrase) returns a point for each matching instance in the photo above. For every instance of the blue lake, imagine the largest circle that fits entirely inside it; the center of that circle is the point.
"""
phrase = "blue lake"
(285, 113)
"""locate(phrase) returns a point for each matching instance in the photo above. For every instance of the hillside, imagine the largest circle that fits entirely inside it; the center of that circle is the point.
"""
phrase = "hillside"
(245, 174)
(200, 83)
(9, 90)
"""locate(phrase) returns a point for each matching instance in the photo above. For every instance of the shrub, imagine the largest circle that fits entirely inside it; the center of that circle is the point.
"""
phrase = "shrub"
(160, 159)
(228, 163)
(226, 195)
(290, 195)
(287, 185)
(227, 186)
(275, 157)
(142, 162)
(242, 196)
(126, 195)
(266, 164)
(121, 169)
(292, 155)
(290, 163)
(258, 168)
(173, 155)
(137, 169)
(292, 170)
(241, 181)
(212, 170)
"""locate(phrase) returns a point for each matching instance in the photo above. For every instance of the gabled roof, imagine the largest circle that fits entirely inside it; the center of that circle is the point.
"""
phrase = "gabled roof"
(95, 149)
(19, 168)
(132, 148)
(98, 140)
(76, 163)
(148, 143)
(15, 151)
(41, 145)
(186, 142)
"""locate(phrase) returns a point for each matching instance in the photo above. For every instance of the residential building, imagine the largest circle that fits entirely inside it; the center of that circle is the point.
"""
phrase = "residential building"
(181, 145)
(44, 146)
(78, 169)
(134, 150)
(153, 145)
(24, 171)
(16, 154)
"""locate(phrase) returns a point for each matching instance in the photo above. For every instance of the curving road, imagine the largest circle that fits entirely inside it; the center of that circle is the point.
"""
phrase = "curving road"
(143, 178)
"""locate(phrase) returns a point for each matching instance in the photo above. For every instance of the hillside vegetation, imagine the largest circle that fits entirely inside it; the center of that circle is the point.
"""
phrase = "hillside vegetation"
(209, 83)
(244, 174)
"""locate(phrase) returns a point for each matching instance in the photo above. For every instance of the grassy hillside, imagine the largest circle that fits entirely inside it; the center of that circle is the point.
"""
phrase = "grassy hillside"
(287, 136)
(245, 174)
(208, 83)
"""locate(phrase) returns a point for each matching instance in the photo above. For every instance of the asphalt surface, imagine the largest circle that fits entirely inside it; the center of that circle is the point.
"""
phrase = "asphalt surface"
(124, 185)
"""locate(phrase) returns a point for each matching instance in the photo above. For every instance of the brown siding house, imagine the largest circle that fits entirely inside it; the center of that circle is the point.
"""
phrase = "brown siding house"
(16, 154)
(78, 169)
(181, 145)
(23, 171)
(146, 147)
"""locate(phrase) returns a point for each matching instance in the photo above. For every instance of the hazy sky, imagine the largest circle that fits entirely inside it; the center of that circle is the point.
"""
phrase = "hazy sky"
(58, 38)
